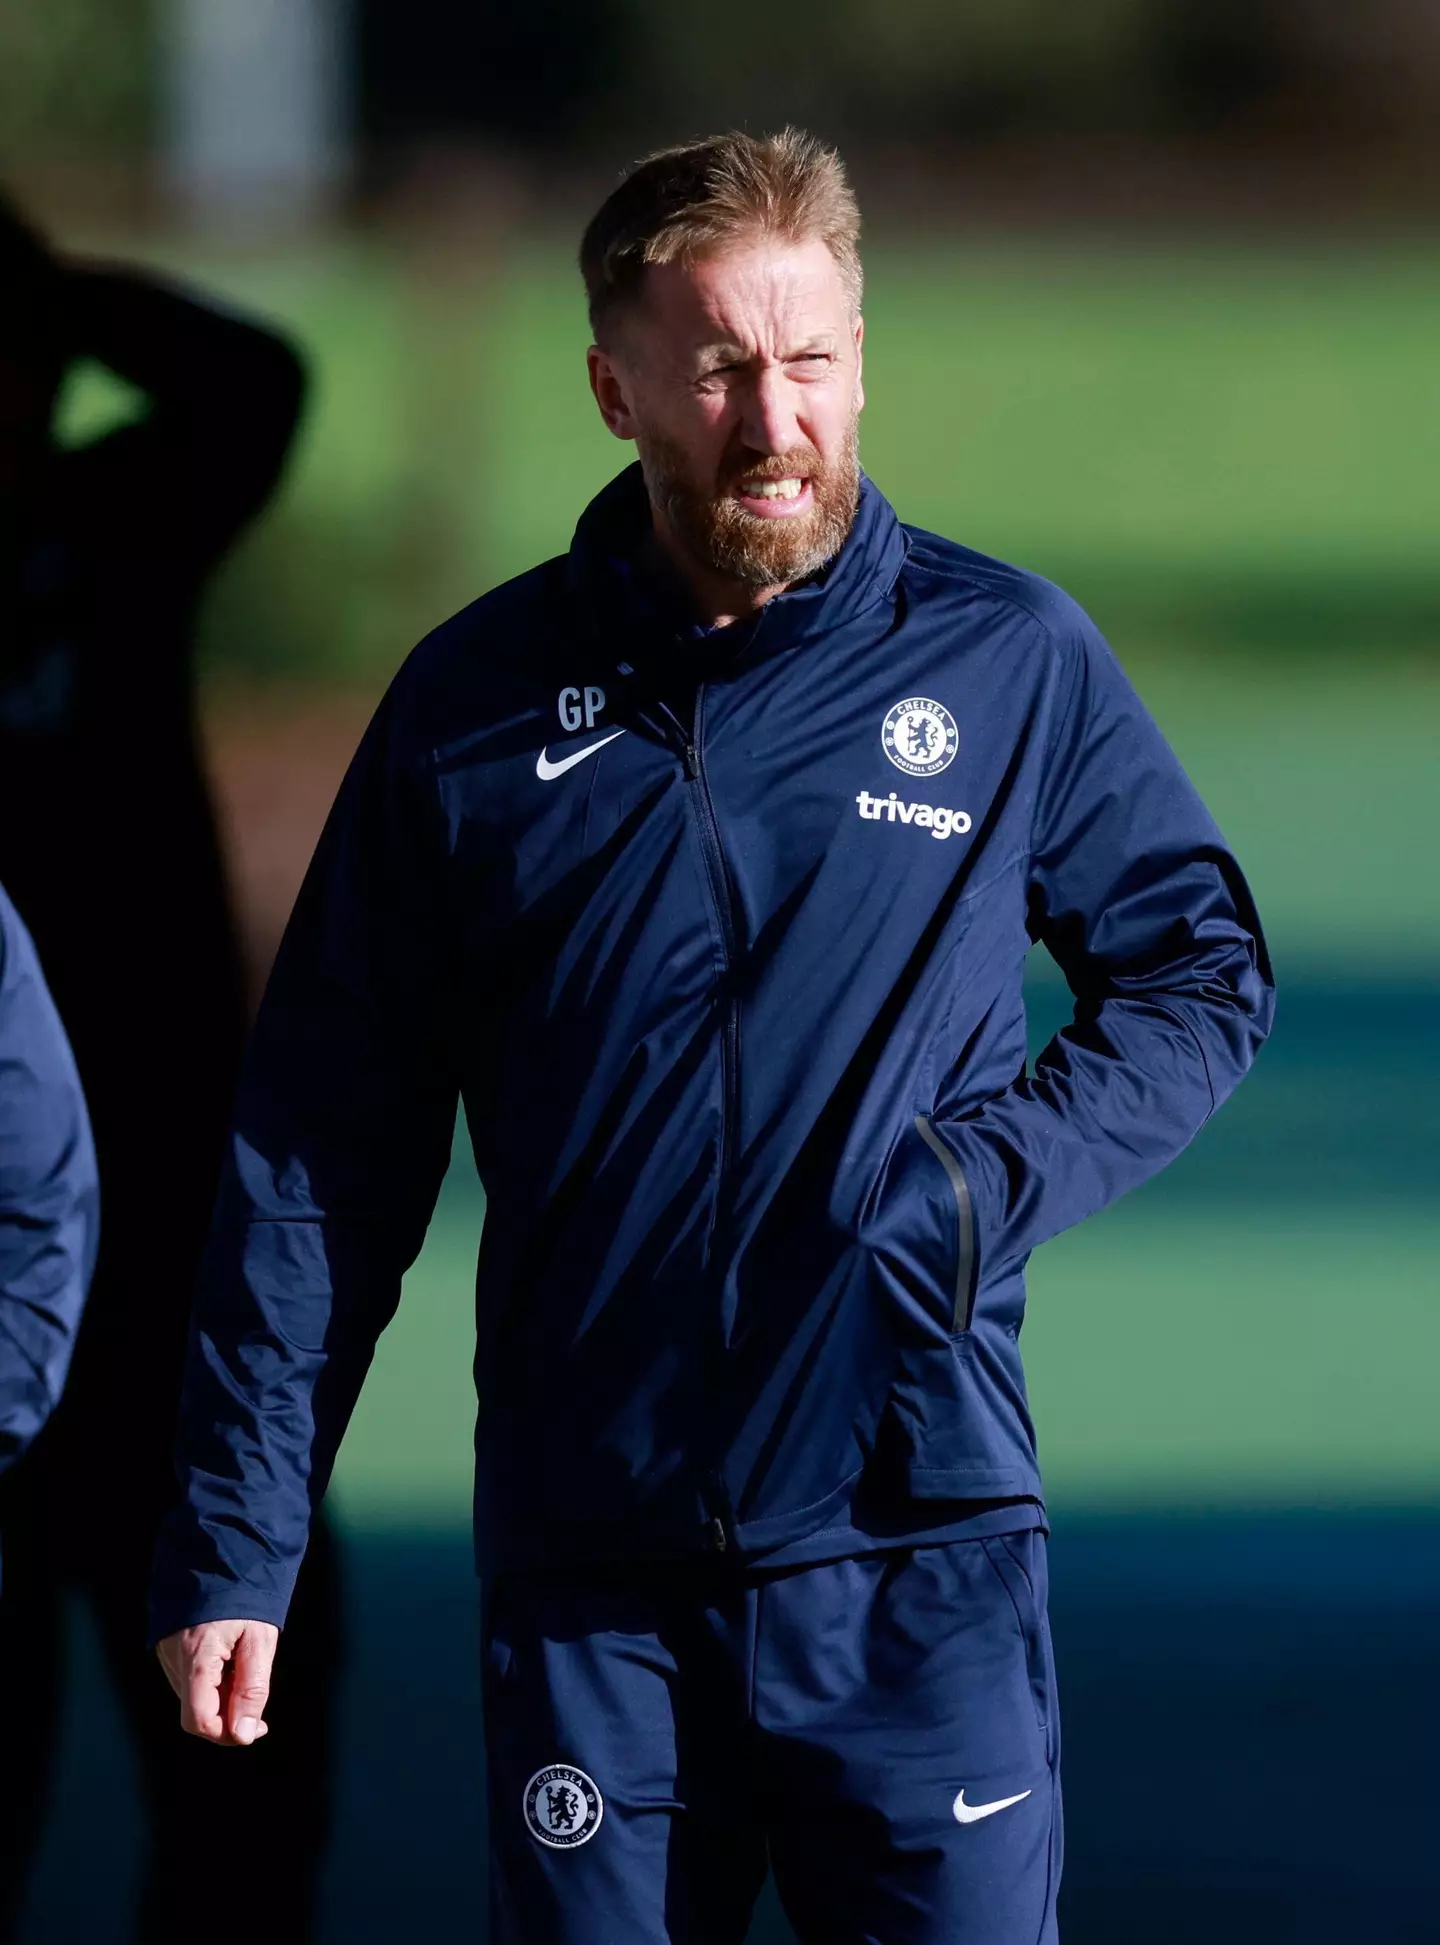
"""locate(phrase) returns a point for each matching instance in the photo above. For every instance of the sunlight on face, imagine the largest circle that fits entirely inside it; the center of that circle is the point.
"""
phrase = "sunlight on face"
(738, 378)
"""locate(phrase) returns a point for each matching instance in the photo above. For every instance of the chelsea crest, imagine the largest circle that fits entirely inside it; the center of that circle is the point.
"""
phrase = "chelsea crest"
(563, 1808)
(920, 736)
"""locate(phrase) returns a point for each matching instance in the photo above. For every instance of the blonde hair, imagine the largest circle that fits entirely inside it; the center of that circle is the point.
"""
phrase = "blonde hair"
(688, 202)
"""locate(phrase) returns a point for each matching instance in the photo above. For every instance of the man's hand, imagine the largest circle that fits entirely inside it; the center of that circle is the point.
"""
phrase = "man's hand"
(221, 1672)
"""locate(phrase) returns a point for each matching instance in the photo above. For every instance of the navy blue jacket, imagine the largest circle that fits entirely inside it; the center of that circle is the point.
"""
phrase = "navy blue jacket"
(718, 936)
(49, 1194)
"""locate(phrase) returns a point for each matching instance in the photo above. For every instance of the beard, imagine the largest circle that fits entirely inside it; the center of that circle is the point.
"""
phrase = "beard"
(722, 535)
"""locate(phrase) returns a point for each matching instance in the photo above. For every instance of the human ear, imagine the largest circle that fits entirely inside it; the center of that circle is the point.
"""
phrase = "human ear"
(859, 364)
(611, 393)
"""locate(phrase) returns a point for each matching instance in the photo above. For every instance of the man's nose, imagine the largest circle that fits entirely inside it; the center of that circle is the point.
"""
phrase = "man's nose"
(768, 422)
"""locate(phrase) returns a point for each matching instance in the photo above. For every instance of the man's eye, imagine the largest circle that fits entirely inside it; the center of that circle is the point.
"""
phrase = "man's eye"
(813, 360)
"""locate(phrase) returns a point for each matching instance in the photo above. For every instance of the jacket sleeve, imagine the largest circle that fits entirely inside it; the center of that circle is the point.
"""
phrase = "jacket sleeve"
(1136, 895)
(342, 1135)
(49, 1195)
(224, 395)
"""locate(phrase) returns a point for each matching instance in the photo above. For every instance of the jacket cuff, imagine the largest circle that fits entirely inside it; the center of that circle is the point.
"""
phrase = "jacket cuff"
(172, 1610)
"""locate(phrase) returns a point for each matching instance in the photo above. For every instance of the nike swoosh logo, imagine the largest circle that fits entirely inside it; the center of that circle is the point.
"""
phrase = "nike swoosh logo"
(973, 1812)
(548, 771)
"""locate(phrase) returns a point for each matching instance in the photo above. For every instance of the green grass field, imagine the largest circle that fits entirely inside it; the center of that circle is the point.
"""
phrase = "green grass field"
(1230, 455)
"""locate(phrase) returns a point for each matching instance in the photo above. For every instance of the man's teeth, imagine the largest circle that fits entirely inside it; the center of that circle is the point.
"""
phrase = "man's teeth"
(773, 489)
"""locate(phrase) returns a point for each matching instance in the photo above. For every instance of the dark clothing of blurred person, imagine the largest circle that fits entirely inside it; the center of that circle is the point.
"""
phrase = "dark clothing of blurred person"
(49, 1195)
(109, 845)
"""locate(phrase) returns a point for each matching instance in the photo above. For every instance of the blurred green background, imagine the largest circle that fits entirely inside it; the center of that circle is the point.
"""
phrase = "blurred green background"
(1153, 308)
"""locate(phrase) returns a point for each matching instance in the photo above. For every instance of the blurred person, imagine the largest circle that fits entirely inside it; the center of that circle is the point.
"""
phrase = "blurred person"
(702, 865)
(49, 1195)
(108, 844)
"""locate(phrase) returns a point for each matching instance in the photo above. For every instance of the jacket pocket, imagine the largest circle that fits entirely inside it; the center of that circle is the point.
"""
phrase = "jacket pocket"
(1010, 1558)
(963, 1307)
(956, 1413)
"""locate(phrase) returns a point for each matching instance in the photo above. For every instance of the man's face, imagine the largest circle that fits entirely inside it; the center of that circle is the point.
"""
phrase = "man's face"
(738, 378)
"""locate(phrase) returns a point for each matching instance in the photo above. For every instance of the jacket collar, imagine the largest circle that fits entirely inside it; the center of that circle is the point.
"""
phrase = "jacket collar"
(639, 609)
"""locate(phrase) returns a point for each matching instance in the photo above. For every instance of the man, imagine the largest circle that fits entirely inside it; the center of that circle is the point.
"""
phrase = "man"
(49, 1195)
(109, 847)
(703, 864)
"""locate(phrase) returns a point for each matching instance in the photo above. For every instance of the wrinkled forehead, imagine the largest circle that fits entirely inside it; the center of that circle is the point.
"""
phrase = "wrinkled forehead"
(761, 294)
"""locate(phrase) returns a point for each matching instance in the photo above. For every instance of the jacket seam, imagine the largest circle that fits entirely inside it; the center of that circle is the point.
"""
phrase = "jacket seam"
(1199, 1045)
(1008, 864)
(1008, 600)
(1012, 601)
(796, 1512)
(970, 580)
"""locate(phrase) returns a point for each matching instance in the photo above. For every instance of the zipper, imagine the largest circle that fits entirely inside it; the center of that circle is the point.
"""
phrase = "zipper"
(688, 743)
(717, 1530)
(963, 1309)
(686, 740)
(719, 876)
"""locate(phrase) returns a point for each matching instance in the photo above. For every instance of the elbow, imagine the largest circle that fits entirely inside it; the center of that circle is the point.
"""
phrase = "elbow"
(1236, 1014)
(1263, 1017)
(265, 390)
(292, 376)
(1255, 996)
(257, 418)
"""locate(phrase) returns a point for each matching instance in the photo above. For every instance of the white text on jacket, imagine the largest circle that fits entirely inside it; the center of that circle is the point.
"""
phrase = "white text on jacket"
(933, 818)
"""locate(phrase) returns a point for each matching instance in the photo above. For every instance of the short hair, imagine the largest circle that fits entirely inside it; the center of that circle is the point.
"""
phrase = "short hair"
(684, 203)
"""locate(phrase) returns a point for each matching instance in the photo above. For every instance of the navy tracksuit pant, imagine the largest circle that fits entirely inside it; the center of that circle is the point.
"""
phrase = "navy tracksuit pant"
(881, 1730)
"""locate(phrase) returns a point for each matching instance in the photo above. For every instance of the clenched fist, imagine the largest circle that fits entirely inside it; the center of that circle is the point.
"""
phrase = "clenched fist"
(221, 1672)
